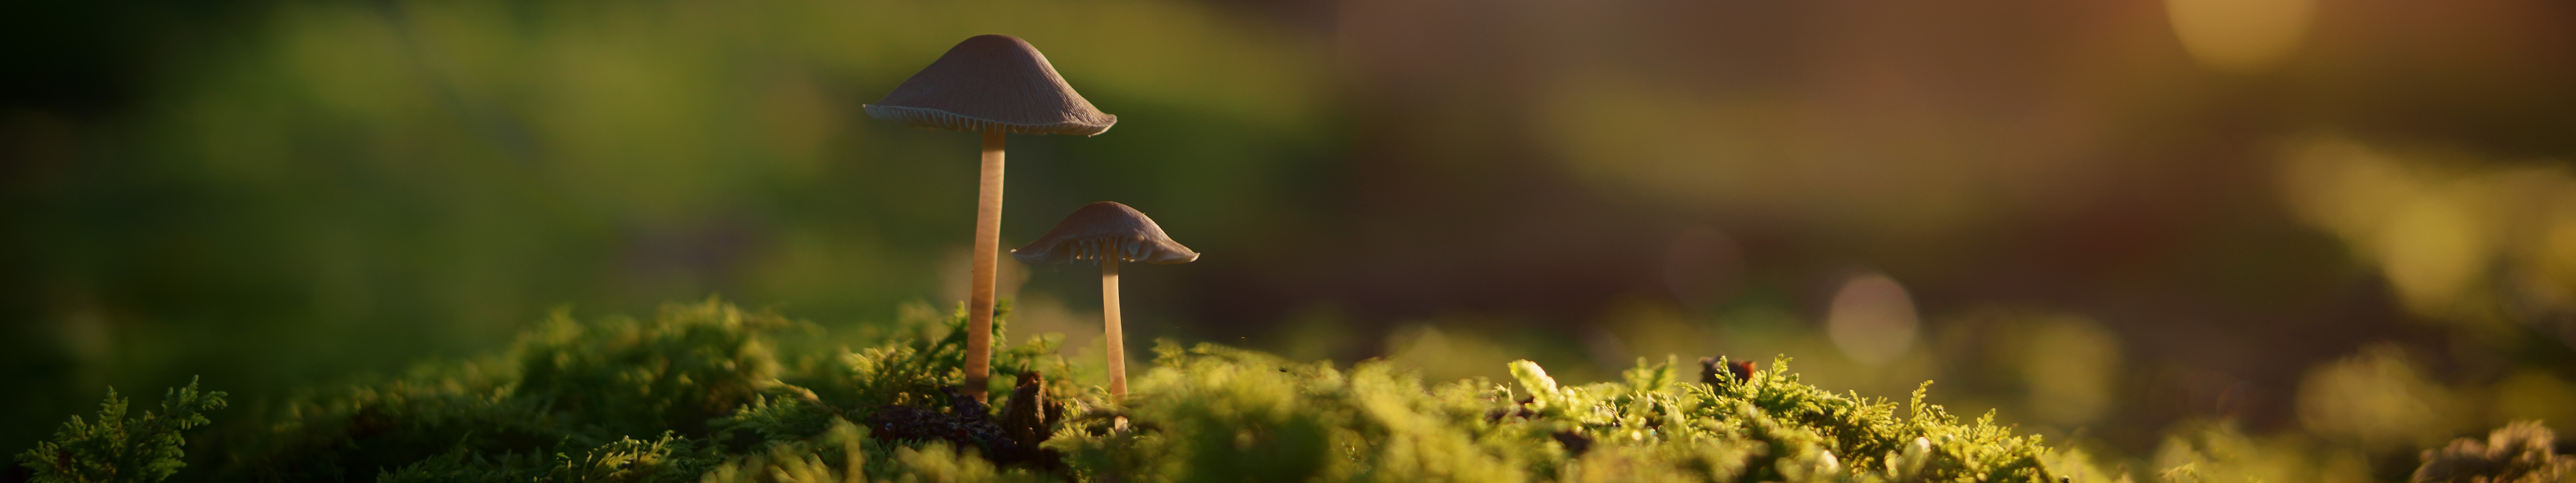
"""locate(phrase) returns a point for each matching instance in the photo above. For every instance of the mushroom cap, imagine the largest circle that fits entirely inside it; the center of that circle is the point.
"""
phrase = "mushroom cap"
(1105, 228)
(992, 83)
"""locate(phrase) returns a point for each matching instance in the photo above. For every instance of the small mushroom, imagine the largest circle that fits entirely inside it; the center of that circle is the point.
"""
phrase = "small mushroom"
(1110, 233)
(990, 84)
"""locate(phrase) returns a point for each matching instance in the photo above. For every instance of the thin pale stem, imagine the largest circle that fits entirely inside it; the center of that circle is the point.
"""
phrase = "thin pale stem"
(1110, 327)
(988, 242)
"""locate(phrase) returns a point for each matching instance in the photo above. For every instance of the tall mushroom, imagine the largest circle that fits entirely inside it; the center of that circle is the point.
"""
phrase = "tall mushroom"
(990, 84)
(1110, 233)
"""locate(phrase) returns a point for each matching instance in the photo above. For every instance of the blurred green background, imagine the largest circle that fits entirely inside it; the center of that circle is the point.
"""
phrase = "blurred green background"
(2348, 227)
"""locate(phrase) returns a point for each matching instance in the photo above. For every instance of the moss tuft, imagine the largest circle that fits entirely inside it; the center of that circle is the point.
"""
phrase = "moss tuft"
(144, 449)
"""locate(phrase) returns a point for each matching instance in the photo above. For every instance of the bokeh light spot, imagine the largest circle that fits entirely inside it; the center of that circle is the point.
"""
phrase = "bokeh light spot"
(2432, 249)
(1872, 319)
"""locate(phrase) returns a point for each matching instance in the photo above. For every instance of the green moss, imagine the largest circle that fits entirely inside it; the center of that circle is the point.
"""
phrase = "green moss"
(1212, 413)
(708, 392)
(144, 449)
(2521, 452)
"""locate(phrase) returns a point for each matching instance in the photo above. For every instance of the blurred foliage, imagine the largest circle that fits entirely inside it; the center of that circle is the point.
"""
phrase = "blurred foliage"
(2379, 400)
(145, 449)
(2524, 452)
(2217, 452)
(2482, 244)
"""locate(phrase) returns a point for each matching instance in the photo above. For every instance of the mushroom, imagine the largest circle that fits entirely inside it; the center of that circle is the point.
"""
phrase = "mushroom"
(990, 84)
(1110, 233)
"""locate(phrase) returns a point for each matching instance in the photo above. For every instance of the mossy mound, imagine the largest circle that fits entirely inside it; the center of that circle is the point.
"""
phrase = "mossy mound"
(1212, 413)
(707, 392)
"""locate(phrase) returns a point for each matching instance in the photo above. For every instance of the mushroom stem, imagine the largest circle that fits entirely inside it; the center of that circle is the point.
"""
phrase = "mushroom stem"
(988, 241)
(1110, 328)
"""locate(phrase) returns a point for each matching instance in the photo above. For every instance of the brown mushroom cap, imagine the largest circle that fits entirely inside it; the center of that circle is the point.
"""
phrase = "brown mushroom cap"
(989, 83)
(1105, 228)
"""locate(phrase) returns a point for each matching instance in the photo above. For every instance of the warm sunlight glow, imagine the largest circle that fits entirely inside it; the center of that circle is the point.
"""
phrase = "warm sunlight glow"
(2240, 35)
(1872, 319)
